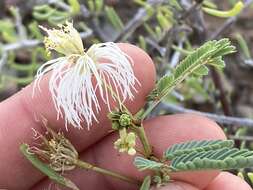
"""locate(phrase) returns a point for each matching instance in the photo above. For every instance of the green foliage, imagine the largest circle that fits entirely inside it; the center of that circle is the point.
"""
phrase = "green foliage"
(95, 6)
(75, 6)
(55, 15)
(35, 31)
(163, 14)
(195, 89)
(223, 159)
(147, 6)
(145, 164)
(250, 175)
(243, 46)
(165, 19)
(142, 43)
(175, 4)
(7, 30)
(195, 146)
(199, 155)
(209, 4)
(114, 18)
(26, 71)
(224, 14)
(195, 63)
(50, 14)
(166, 81)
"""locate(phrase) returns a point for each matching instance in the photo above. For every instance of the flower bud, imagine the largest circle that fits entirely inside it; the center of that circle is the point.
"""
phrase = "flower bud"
(125, 120)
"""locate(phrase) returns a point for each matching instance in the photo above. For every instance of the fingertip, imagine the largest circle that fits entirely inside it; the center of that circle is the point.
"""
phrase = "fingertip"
(168, 130)
(179, 128)
(138, 54)
(211, 129)
(176, 186)
(228, 181)
(143, 66)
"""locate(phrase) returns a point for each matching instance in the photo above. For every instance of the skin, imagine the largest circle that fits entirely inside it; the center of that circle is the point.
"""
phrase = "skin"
(21, 112)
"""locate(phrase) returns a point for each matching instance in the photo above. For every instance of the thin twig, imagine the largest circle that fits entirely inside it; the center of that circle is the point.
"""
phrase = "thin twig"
(33, 43)
(99, 32)
(215, 74)
(230, 21)
(85, 11)
(60, 4)
(137, 20)
(222, 92)
(222, 119)
(29, 44)
(3, 59)
(21, 44)
(88, 166)
(241, 138)
(20, 27)
(190, 10)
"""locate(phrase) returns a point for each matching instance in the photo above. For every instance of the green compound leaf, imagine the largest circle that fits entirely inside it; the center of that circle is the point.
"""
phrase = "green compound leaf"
(194, 59)
(144, 164)
(146, 183)
(209, 53)
(224, 159)
(196, 146)
(201, 71)
(165, 81)
(223, 47)
(200, 155)
(217, 62)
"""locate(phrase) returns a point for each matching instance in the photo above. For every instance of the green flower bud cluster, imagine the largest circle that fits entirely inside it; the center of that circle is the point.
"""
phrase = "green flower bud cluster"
(161, 179)
(125, 120)
(120, 120)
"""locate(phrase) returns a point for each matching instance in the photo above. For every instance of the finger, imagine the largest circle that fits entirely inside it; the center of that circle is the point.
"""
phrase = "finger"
(177, 186)
(228, 181)
(17, 117)
(162, 132)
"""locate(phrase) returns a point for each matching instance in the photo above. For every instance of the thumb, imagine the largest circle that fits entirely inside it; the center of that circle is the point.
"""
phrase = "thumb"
(177, 186)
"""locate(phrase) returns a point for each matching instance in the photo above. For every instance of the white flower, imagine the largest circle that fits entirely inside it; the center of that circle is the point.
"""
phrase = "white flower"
(126, 142)
(66, 40)
(79, 76)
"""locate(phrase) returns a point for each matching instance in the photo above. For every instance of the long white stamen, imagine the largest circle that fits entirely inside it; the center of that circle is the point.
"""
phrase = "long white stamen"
(79, 77)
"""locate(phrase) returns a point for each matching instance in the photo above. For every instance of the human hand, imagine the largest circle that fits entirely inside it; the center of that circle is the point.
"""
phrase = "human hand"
(17, 118)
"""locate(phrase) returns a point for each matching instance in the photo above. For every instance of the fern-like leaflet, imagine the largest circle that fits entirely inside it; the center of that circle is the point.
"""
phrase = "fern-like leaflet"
(195, 146)
(145, 164)
(209, 53)
(200, 155)
(222, 159)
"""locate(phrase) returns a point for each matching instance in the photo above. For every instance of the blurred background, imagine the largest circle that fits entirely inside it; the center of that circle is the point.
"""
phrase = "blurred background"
(167, 30)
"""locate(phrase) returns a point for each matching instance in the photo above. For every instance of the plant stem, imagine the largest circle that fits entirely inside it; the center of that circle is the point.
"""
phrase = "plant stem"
(138, 129)
(89, 166)
(220, 86)
(167, 90)
(144, 140)
(149, 109)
